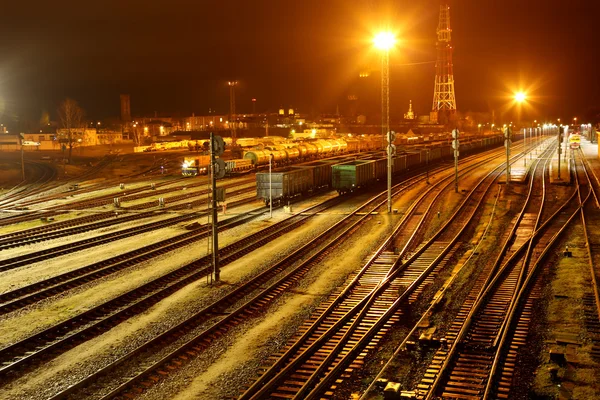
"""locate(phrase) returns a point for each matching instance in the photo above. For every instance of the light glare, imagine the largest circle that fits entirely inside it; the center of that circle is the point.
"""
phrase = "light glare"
(384, 41)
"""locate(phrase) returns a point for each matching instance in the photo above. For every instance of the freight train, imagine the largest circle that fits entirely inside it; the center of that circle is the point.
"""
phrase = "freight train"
(353, 173)
(198, 165)
(281, 154)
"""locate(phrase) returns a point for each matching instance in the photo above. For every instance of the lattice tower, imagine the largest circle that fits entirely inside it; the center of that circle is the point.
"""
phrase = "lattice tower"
(444, 99)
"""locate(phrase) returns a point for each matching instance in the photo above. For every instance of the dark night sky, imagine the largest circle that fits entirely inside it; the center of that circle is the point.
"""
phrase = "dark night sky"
(175, 56)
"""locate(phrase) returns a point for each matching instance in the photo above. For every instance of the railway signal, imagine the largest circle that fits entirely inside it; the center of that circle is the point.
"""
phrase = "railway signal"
(217, 147)
(391, 151)
(455, 146)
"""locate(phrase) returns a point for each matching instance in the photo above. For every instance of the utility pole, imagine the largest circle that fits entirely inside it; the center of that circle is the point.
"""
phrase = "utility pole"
(507, 141)
(455, 146)
(427, 166)
(525, 146)
(232, 117)
(270, 187)
(22, 159)
(560, 130)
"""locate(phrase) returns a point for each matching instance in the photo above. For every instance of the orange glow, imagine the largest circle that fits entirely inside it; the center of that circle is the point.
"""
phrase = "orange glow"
(520, 97)
(385, 41)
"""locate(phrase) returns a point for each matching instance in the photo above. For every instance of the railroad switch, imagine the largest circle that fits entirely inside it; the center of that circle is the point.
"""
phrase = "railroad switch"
(382, 382)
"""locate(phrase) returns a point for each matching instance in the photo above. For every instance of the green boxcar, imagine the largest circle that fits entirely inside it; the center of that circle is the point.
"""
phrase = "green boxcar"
(349, 176)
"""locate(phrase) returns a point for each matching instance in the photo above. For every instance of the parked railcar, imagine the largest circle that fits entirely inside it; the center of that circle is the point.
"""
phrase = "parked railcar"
(321, 171)
(238, 165)
(350, 176)
(284, 184)
(400, 163)
(412, 159)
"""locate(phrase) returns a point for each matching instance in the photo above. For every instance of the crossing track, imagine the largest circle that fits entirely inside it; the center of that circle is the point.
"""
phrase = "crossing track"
(331, 347)
(75, 226)
(41, 255)
(43, 174)
(131, 311)
(104, 200)
(590, 218)
(103, 317)
(462, 369)
(211, 314)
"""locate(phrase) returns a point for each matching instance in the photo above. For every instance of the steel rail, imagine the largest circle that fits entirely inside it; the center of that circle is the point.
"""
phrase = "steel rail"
(271, 292)
(526, 286)
(484, 294)
(260, 388)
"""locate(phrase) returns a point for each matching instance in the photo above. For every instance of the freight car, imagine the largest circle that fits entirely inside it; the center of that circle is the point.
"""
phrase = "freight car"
(284, 184)
(352, 175)
(360, 171)
(198, 165)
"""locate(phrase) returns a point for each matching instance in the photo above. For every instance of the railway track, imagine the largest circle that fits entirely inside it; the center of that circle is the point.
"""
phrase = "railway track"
(71, 227)
(103, 200)
(461, 369)
(19, 200)
(271, 293)
(336, 344)
(41, 255)
(346, 225)
(103, 317)
(24, 189)
(591, 218)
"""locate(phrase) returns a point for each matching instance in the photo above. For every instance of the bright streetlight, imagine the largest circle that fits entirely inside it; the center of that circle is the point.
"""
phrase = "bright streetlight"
(385, 41)
(520, 97)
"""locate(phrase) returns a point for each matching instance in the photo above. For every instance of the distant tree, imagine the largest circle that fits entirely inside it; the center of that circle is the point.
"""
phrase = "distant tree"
(45, 119)
(71, 119)
(137, 134)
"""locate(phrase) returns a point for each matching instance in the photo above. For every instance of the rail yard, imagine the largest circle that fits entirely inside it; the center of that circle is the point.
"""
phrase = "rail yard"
(486, 291)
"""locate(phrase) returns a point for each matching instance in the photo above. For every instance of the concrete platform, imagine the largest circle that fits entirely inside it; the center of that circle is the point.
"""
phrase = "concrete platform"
(565, 169)
(518, 172)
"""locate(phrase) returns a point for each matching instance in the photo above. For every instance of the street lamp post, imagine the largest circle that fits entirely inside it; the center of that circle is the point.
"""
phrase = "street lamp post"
(385, 41)
(270, 187)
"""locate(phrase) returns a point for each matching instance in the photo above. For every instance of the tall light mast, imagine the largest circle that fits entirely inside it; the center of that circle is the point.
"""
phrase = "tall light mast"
(232, 117)
(444, 99)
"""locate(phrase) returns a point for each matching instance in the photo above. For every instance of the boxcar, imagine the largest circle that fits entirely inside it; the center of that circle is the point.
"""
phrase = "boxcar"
(286, 183)
(400, 163)
(435, 154)
(321, 171)
(380, 167)
(412, 159)
(349, 176)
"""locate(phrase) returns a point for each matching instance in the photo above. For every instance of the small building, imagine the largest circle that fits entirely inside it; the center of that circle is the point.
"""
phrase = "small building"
(10, 141)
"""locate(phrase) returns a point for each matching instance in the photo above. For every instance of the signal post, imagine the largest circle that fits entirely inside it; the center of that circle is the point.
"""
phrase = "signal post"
(455, 146)
(391, 151)
(217, 147)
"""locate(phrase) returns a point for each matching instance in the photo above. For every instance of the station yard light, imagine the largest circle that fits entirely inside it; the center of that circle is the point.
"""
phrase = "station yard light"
(385, 41)
(520, 97)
